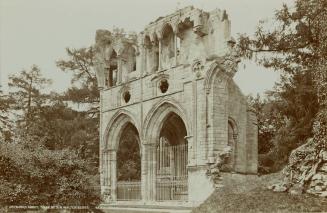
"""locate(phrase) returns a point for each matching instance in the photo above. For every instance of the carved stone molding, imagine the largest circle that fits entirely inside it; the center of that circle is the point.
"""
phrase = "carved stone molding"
(198, 67)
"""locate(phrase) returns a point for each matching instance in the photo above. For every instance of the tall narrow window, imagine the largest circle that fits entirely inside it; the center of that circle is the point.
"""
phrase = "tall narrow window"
(129, 56)
(155, 53)
(168, 41)
(148, 53)
(112, 72)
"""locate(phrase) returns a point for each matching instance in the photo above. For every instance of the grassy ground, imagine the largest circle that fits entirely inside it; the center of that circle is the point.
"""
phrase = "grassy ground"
(255, 197)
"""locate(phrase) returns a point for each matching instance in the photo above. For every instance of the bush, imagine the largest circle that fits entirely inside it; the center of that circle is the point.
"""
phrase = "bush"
(33, 175)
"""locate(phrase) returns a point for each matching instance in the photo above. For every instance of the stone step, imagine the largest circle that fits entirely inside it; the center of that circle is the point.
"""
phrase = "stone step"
(138, 210)
(144, 208)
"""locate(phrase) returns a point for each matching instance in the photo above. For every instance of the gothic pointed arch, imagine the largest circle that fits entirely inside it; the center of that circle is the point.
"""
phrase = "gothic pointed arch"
(215, 71)
(168, 40)
(115, 126)
(158, 115)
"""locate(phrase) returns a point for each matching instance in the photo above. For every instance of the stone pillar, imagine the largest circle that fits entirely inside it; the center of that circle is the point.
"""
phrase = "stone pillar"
(106, 170)
(191, 155)
(160, 62)
(113, 173)
(252, 142)
(234, 150)
(119, 69)
(149, 172)
(100, 74)
(153, 173)
(144, 60)
(144, 172)
(175, 46)
(103, 170)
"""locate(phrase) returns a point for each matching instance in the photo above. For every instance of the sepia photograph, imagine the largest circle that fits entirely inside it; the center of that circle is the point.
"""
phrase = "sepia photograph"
(163, 106)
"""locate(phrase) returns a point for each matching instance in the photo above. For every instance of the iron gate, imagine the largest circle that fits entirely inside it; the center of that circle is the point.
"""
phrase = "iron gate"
(129, 190)
(171, 172)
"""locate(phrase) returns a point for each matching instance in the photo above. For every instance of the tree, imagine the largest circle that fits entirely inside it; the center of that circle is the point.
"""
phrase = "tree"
(5, 122)
(83, 92)
(285, 119)
(267, 122)
(81, 62)
(298, 45)
(26, 91)
(52, 165)
(60, 127)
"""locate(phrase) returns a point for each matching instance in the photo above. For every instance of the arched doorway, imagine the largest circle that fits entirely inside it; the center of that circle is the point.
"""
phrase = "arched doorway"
(171, 158)
(232, 136)
(129, 164)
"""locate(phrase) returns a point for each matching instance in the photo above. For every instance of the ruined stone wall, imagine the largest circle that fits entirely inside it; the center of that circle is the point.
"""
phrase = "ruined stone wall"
(190, 52)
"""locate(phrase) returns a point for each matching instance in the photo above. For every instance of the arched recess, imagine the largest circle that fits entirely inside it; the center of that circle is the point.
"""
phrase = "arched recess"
(167, 46)
(128, 155)
(232, 142)
(155, 118)
(166, 129)
(184, 37)
(148, 54)
(215, 84)
(128, 168)
(116, 134)
(214, 72)
(112, 70)
(155, 53)
(114, 128)
(172, 148)
(128, 59)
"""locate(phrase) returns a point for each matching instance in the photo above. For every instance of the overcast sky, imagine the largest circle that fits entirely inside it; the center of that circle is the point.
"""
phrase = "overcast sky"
(38, 31)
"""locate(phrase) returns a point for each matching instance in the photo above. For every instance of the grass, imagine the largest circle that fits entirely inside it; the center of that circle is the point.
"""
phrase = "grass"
(259, 199)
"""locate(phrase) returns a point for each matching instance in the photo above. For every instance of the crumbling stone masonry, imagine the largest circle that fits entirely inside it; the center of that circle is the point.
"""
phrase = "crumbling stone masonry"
(175, 75)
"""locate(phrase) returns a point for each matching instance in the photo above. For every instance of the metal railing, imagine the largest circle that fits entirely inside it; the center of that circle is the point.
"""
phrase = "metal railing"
(173, 188)
(129, 190)
(171, 181)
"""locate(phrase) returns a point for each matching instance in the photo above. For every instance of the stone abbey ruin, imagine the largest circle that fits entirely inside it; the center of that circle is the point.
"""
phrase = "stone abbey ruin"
(168, 94)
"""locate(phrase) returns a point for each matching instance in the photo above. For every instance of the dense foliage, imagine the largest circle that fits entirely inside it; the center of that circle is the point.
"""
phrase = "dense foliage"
(285, 119)
(296, 47)
(52, 159)
(5, 121)
(34, 175)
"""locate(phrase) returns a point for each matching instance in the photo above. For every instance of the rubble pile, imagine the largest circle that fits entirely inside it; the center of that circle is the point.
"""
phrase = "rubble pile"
(306, 171)
(221, 165)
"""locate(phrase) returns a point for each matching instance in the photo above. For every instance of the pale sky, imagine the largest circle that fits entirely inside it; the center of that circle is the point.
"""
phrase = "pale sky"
(38, 31)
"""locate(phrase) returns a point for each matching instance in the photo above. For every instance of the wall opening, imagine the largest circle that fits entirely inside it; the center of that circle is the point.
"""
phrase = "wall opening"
(148, 53)
(185, 36)
(172, 155)
(168, 41)
(129, 165)
(126, 96)
(155, 50)
(111, 79)
(232, 134)
(163, 85)
(129, 59)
